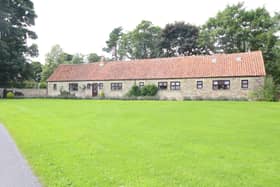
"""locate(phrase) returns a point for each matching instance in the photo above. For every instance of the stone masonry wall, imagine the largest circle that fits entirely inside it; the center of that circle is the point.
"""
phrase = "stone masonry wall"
(188, 88)
(28, 92)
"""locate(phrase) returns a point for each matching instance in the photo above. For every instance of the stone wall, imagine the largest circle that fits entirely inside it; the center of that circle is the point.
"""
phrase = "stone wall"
(28, 92)
(188, 88)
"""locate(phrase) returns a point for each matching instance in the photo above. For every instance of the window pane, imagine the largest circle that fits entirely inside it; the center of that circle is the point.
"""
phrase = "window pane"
(116, 86)
(73, 87)
(141, 84)
(244, 84)
(175, 85)
(221, 84)
(162, 85)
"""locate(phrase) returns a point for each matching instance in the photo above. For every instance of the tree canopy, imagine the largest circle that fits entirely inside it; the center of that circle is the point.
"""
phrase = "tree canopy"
(93, 57)
(16, 17)
(77, 59)
(179, 38)
(236, 29)
(142, 42)
(55, 57)
(113, 43)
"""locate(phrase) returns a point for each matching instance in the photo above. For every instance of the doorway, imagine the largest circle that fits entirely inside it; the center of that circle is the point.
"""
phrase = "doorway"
(94, 89)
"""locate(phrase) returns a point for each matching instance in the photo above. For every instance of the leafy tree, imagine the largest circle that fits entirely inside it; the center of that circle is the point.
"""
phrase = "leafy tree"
(179, 38)
(55, 57)
(142, 42)
(77, 59)
(32, 71)
(93, 57)
(16, 18)
(36, 71)
(236, 29)
(68, 58)
(113, 43)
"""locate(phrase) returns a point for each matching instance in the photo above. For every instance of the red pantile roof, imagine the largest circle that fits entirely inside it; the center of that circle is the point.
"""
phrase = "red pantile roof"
(218, 65)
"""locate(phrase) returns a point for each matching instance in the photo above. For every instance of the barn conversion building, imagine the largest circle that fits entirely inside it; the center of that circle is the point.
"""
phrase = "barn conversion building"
(230, 76)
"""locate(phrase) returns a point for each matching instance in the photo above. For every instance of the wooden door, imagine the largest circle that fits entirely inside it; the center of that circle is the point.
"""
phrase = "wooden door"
(94, 89)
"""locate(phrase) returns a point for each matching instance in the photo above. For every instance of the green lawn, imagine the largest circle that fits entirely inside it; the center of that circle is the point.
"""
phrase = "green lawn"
(147, 143)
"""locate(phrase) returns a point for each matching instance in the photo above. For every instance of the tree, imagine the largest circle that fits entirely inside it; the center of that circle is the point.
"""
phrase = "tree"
(16, 18)
(32, 71)
(142, 42)
(113, 43)
(36, 71)
(55, 57)
(93, 57)
(237, 30)
(77, 59)
(179, 38)
(68, 58)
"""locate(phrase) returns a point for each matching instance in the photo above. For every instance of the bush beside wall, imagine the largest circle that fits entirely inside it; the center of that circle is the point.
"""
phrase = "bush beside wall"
(268, 92)
(148, 90)
(10, 95)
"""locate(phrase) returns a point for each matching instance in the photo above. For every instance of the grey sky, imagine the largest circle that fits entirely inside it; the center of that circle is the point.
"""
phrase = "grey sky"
(83, 26)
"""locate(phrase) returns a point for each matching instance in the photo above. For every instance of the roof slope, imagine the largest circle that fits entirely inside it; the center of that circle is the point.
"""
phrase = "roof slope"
(218, 65)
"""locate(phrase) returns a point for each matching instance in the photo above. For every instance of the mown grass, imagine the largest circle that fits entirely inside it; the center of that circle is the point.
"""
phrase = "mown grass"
(147, 143)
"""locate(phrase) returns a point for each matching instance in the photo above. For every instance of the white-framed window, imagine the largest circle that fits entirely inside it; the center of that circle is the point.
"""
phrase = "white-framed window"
(244, 84)
(73, 86)
(199, 84)
(162, 85)
(116, 86)
(141, 84)
(100, 85)
(221, 84)
(88, 86)
(175, 85)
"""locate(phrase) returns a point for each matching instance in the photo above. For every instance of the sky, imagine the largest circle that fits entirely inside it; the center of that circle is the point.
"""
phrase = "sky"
(83, 26)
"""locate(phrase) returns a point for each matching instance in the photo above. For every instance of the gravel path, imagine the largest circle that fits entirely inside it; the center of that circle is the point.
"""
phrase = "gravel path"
(14, 170)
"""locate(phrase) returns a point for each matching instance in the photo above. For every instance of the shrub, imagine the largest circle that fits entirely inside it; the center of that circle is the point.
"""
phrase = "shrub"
(43, 85)
(268, 92)
(149, 90)
(134, 91)
(64, 93)
(10, 95)
(102, 94)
